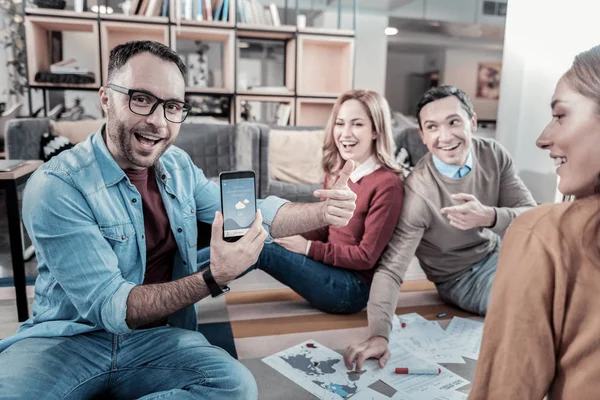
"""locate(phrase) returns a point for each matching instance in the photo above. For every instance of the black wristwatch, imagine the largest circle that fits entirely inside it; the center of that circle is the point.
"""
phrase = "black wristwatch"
(213, 286)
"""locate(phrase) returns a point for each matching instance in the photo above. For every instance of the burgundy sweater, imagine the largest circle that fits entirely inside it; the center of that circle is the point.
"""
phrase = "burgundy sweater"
(359, 244)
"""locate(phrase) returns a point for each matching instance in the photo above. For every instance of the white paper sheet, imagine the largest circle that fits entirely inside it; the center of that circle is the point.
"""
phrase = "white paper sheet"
(439, 395)
(468, 333)
(369, 394)
(321, 371)
(409, 386)
(426, 339)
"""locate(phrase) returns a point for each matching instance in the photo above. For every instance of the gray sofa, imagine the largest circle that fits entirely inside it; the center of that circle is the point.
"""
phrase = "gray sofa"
(216, 148)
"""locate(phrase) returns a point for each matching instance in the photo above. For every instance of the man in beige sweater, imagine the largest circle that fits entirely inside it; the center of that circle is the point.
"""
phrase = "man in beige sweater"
(459, 200)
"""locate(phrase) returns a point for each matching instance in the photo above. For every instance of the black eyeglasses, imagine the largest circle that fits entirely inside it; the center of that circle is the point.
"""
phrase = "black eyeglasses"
(142, 102)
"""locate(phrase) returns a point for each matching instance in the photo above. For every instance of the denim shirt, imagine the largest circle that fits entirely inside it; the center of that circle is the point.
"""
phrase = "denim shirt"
(85, 220)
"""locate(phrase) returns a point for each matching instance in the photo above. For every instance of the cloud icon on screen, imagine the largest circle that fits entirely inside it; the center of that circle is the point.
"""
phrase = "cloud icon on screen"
(240, 205)
(246, 201)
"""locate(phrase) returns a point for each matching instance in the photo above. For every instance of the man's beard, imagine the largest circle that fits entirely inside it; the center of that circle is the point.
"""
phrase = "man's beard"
(120, 135)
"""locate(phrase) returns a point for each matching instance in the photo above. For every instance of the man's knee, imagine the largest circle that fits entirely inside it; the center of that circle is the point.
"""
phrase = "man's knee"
(236, 382)
(243, 383)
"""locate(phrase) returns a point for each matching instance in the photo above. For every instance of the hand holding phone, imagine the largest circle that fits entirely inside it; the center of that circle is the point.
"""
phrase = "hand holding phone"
(238, 202)
(230, 260)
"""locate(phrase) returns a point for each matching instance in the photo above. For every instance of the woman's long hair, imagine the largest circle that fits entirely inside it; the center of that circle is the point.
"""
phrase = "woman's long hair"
(378, 110)
(584, 78)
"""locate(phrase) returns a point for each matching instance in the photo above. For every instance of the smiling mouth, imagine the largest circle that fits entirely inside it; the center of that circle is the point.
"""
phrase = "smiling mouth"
(348, 144)
(449, 148)
(147, 140)
(558, 161)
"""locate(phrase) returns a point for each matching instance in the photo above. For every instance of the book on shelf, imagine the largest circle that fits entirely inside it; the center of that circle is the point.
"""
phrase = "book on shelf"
(282, 115)
(150, 8)
(201, 10)
(274, 15)
(68, 67)
(255, 13)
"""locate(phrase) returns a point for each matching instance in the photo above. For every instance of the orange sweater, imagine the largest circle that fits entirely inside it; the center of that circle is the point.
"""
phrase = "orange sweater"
(542, 331)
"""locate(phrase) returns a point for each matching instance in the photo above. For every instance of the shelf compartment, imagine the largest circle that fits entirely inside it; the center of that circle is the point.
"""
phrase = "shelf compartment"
(313, 111)
(224, 51)
(264, 109)
(275, 69)
(116, 33)
(39, 48)
(325, 65)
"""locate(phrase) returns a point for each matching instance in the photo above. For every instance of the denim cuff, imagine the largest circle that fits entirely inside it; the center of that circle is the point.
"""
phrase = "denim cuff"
(268, 208)
(114, 310)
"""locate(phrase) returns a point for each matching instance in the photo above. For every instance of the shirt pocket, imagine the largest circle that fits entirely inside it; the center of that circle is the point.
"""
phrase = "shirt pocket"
(122, 239)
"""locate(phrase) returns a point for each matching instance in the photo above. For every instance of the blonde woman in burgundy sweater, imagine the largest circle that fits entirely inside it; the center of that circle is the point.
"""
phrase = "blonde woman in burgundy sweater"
(332, 268)
(542, 331)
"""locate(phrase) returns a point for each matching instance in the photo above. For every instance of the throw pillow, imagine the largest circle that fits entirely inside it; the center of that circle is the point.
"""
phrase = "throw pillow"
(76, 131)
(52, 145)
(295, 156)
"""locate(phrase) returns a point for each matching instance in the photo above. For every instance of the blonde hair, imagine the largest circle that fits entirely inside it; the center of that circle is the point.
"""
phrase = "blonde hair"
(378, 110)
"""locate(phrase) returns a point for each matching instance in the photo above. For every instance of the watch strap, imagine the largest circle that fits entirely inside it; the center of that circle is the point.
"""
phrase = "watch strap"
(213, 286)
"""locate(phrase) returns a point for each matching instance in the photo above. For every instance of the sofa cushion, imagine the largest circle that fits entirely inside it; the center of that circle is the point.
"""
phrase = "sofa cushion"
(295, 156)
(52, 145)
(76, 131)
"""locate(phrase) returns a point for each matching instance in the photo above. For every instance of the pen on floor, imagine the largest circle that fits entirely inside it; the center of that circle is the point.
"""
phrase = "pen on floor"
(420, 371)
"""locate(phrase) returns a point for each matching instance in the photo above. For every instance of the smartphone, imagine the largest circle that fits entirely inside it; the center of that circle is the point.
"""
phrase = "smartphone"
(238, 203)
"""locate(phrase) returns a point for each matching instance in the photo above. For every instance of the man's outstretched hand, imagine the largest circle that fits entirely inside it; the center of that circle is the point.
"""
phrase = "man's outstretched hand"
(376, 347)
(340, 200)
(470, 214)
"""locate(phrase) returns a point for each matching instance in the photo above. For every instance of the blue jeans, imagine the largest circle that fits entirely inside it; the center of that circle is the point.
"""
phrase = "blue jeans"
(471, 291)
(329, 289)
(159, 363)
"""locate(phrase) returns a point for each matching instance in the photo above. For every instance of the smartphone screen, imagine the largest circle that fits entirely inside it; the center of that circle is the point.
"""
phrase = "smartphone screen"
(238, 202)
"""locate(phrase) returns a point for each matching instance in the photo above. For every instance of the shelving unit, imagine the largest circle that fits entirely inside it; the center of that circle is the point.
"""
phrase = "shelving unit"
(318, 62)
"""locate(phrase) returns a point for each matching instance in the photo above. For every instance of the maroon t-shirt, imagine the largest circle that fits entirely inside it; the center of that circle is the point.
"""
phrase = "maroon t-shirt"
(161, 246)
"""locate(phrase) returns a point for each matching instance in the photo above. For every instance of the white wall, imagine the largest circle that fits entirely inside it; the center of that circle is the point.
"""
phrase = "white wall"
(534, 60)
(400, 65)
(460, 70)
(371, 52)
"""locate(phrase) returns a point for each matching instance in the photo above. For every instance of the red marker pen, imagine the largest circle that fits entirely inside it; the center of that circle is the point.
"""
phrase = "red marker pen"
(422, 371)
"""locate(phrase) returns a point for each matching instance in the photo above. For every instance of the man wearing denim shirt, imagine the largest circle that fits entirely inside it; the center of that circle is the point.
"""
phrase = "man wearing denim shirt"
(113, 221)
